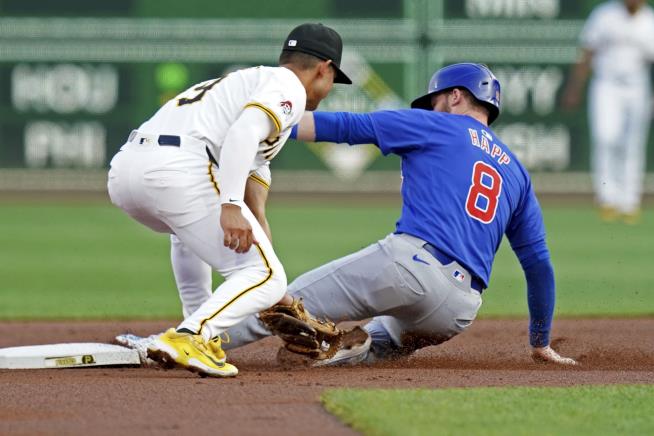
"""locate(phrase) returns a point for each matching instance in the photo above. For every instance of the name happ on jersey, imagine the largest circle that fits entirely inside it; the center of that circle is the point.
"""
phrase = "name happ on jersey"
(484, 142)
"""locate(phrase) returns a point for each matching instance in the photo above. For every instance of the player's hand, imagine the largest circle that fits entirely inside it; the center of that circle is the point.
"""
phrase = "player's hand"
(548, 355)
(237, 230)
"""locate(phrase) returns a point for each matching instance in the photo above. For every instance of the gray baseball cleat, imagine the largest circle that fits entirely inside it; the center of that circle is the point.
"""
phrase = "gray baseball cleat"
(140, 344)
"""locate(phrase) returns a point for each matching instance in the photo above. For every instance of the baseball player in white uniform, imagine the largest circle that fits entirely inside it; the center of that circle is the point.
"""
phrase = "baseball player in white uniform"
(617, 44)
(184, 172)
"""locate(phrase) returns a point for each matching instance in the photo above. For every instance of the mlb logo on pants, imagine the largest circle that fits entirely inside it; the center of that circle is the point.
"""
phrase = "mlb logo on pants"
(458, 276)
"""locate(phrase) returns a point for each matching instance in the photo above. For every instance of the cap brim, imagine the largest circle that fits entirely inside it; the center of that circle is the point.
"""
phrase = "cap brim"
(340, 76)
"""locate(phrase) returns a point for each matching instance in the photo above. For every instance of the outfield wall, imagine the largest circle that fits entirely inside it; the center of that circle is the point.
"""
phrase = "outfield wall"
(76, 77)
(284, 182)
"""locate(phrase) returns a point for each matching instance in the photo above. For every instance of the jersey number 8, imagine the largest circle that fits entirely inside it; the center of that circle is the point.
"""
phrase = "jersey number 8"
(484, 192)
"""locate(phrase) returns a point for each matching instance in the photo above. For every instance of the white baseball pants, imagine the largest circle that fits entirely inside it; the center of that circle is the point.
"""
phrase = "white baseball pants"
(619, 121)
(173, 190)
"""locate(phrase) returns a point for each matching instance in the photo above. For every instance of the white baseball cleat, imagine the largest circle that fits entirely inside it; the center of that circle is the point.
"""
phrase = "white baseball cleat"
(354, 350)
(140, 344)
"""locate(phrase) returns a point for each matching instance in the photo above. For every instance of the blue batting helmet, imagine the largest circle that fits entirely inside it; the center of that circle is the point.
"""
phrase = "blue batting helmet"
(476, 78)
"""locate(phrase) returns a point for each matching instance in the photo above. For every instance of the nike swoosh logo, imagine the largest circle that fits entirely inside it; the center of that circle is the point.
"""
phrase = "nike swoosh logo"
(218, 363)
(417, 259)
(231, 200)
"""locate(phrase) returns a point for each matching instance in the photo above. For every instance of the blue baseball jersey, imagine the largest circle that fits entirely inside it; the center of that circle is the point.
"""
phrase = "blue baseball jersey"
(462, 187)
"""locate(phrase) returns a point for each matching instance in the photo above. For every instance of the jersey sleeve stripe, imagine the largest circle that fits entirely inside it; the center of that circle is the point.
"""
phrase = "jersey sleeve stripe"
(261, 283)
(269, 112)
(260, 181)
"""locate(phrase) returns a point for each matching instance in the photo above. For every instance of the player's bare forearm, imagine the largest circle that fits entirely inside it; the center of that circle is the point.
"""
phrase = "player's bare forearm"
(265, 226)
(256, 196)
(306, 128)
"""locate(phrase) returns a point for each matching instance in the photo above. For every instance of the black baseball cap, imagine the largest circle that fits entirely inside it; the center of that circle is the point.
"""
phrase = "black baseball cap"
(319, 41)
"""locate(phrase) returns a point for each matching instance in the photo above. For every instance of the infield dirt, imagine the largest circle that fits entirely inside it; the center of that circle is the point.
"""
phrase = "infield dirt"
(272, 398)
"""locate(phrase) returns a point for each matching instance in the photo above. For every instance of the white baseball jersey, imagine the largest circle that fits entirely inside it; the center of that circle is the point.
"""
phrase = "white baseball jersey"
(622, 47)
(207, 110)
(622, 44)
(173, 189)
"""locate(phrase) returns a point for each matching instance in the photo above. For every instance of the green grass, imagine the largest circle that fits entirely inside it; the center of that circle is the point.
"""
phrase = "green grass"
(591, 410)
(92, 261)
(601, 269)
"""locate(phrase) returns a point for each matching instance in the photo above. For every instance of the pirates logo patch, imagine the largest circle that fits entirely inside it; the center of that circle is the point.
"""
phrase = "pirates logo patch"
(287, 107)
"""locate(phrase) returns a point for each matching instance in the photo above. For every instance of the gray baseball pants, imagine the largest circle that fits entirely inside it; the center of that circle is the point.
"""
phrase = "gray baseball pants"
(414, 301)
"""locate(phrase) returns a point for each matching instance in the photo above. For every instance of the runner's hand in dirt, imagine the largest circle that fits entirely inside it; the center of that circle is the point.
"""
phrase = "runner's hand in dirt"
(548, 355)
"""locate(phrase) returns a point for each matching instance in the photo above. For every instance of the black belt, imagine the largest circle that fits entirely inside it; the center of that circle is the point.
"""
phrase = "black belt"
(475, 282)
(169, 140)
(175, 141)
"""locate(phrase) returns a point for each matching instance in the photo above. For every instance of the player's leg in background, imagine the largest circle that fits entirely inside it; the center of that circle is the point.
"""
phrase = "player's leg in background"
(193, 279)
(192, 276)
(607, 122)
(364, 284)
(635, 141)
